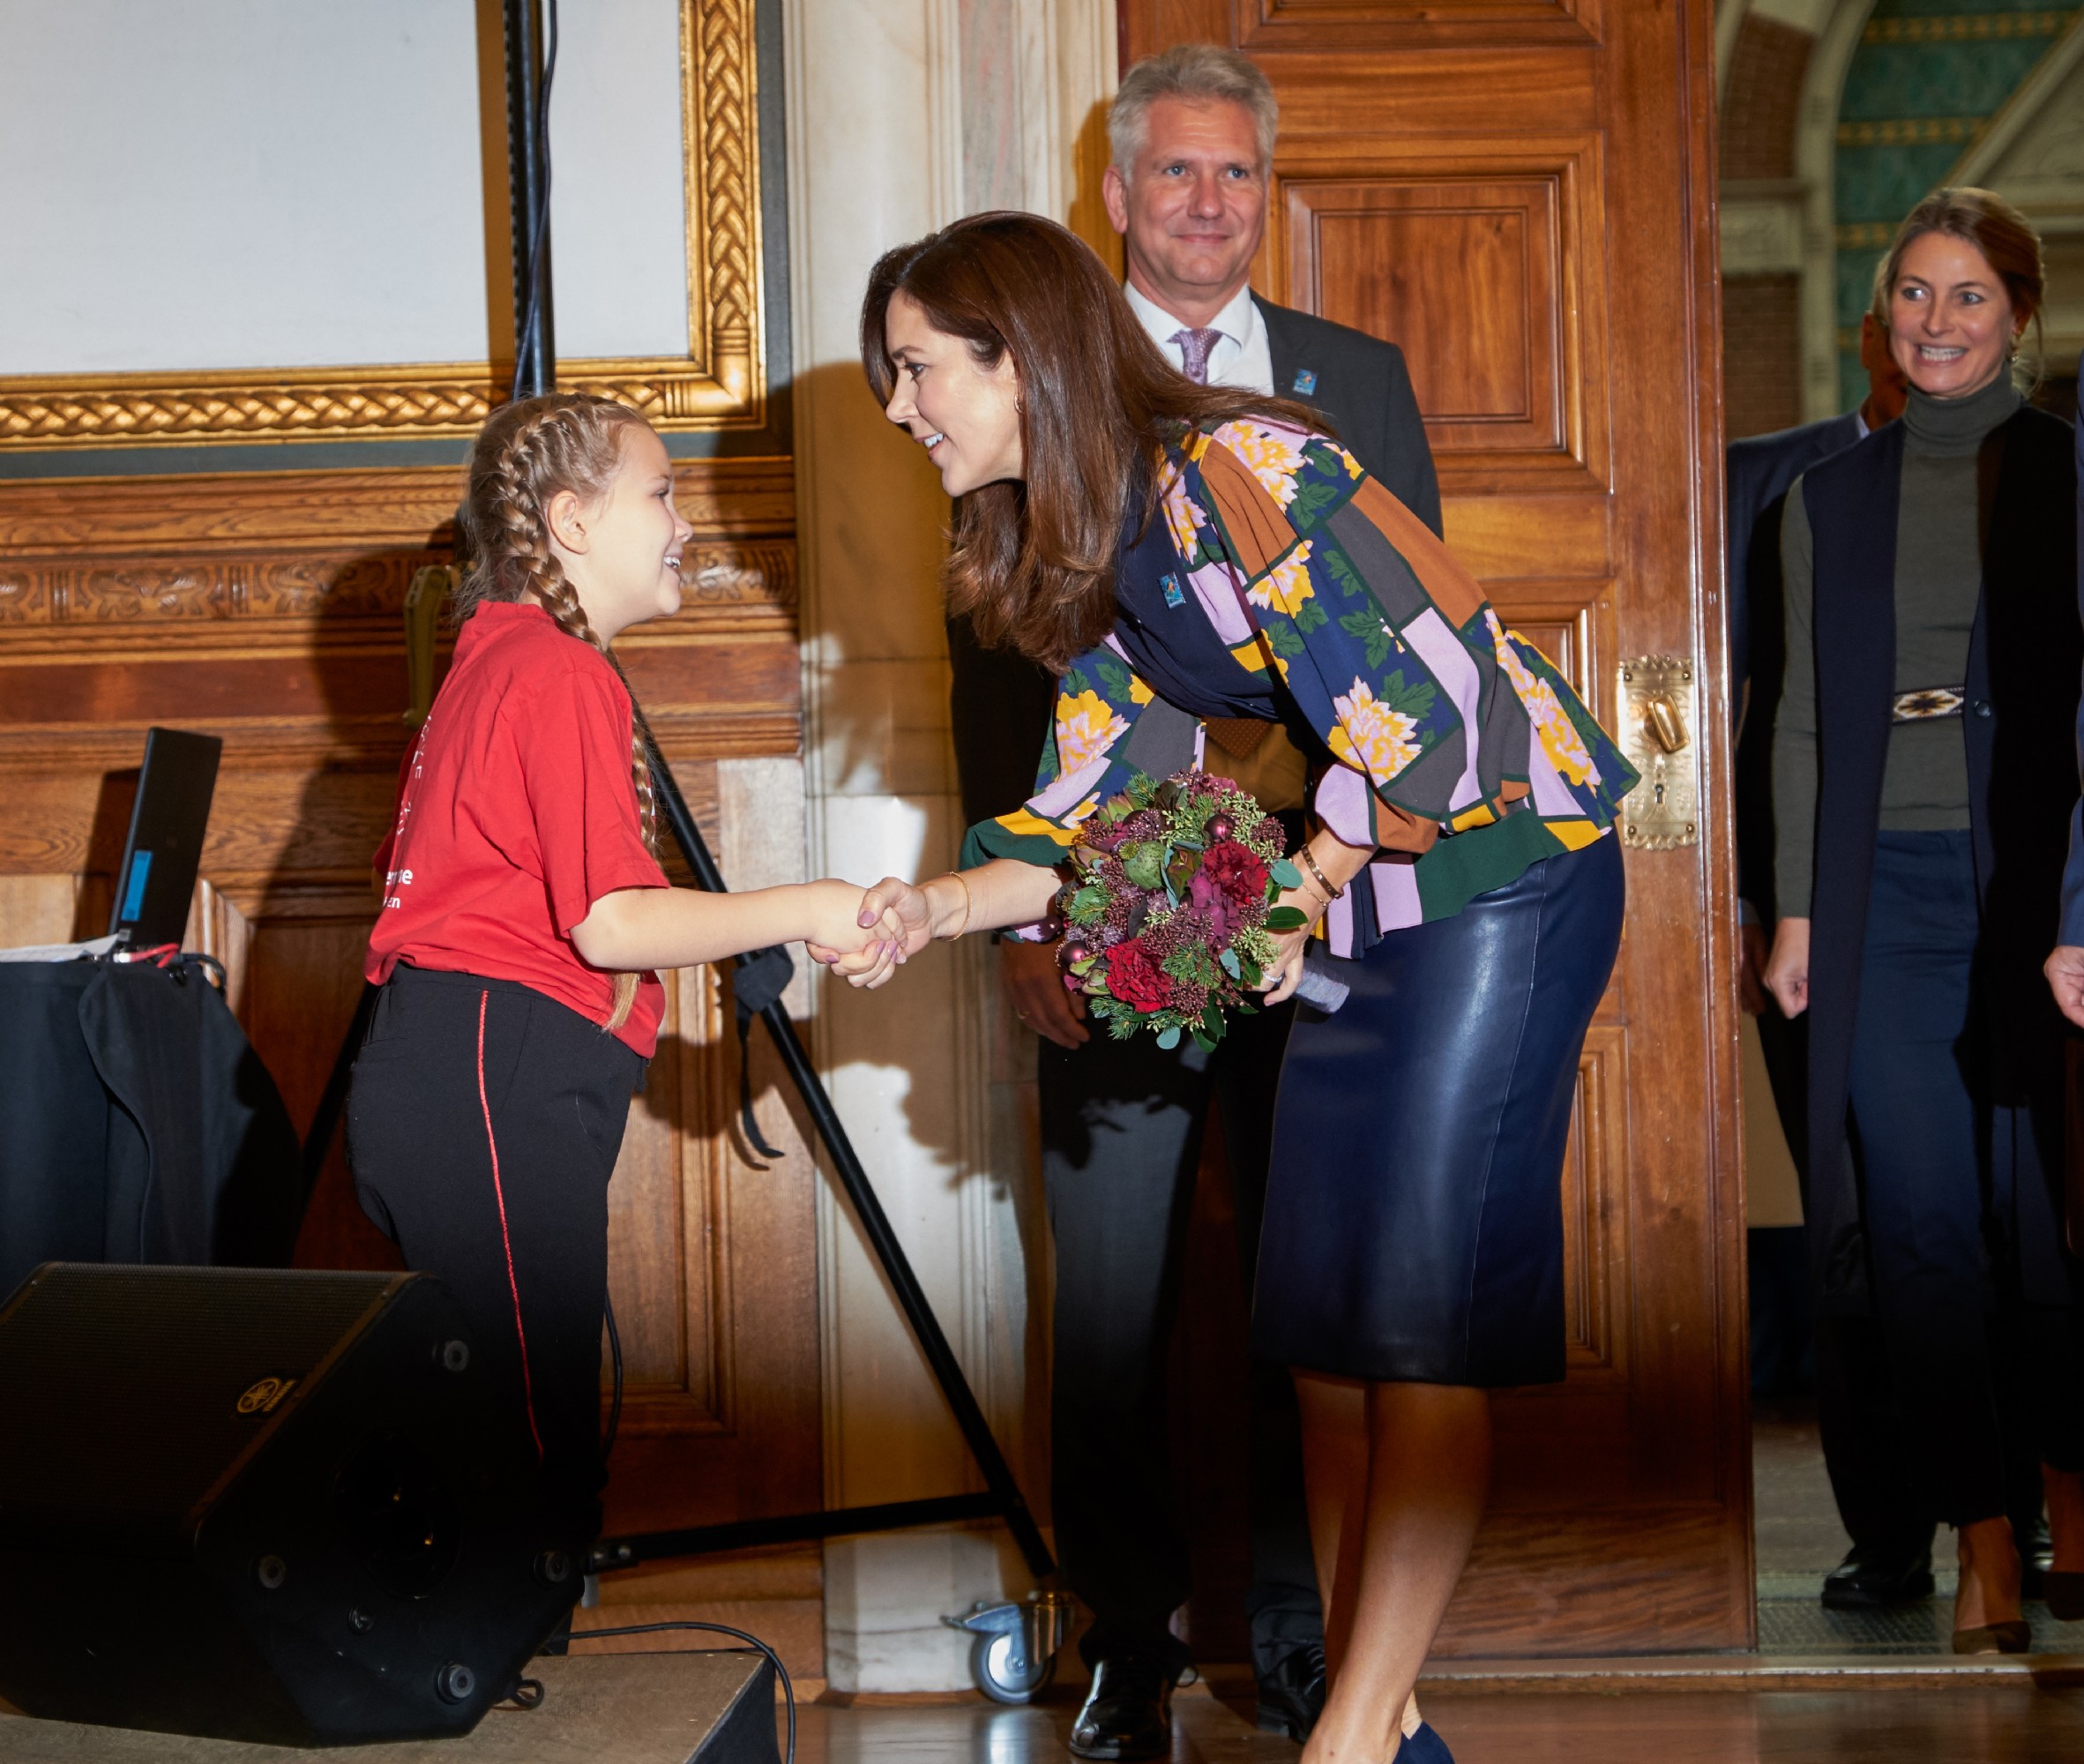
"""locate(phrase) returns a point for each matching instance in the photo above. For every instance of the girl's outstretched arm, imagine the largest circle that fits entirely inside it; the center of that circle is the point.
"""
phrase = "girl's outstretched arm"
(644, 928)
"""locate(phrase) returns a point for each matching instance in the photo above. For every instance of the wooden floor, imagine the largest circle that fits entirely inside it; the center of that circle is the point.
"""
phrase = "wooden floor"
(645, 1709)
(1988, 1724)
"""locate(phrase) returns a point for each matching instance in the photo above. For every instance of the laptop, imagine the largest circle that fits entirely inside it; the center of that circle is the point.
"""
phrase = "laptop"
(157, 878)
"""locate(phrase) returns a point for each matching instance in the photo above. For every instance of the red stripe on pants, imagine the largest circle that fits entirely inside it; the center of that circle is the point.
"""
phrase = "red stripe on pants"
(506, 1236)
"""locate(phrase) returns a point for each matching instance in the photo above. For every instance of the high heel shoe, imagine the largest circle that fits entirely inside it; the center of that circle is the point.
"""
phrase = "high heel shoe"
(2011, 1637)
(1423, 1747)
(2064, 1589)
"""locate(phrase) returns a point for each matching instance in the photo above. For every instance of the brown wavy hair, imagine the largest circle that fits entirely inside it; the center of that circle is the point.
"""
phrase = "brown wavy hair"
(2006, 237)
(1032, 563)
(527, 453)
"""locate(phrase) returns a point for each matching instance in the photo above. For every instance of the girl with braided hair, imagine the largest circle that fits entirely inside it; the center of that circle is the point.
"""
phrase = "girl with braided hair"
(523, 909)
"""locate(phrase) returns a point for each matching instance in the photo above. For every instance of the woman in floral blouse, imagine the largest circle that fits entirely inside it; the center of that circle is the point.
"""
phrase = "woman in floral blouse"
(1180, 552)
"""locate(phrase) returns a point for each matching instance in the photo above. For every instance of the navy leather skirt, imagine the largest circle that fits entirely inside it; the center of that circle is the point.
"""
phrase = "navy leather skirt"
(1413, 1226)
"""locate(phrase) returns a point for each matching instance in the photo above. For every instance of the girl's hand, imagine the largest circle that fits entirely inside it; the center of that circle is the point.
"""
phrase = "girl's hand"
(890, 922)
(841, 934)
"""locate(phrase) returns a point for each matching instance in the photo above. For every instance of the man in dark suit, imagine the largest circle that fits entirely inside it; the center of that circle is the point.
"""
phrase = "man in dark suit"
(1192, 133)
(1890, 1561)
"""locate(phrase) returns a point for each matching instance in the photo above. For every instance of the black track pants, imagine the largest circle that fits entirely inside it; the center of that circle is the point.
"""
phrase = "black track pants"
(483, 1122)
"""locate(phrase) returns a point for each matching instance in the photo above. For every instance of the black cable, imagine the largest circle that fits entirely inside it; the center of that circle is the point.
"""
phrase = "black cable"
(788, 1690)
(614, 1407)
(532, 322)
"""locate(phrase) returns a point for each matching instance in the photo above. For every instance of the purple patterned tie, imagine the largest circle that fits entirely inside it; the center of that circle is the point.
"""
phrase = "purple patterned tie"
(1193, 353)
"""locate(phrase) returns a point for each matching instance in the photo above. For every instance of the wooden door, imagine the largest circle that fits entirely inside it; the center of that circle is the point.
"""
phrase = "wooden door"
(1521, 193)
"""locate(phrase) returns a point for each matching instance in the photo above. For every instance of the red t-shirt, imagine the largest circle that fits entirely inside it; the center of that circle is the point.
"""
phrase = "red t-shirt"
(516, 812)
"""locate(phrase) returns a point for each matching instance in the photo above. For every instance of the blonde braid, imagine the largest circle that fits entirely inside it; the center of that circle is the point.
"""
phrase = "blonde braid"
(525, 453)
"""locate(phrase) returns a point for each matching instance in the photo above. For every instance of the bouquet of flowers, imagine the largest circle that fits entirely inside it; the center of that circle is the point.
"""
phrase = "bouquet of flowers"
(1170, 913)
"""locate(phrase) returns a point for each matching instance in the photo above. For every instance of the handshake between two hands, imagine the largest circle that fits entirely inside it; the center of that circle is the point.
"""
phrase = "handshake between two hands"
(868, 934)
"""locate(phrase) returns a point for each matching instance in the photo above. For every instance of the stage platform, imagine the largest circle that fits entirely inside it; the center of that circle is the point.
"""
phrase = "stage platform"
(609, 1708)
(652, 1709)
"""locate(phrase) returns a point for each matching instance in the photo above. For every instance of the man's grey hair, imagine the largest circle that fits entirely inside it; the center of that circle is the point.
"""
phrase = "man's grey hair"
(1200, 73)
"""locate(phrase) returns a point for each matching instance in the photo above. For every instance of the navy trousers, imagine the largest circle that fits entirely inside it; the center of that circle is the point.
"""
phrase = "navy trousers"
(1122, 1127)
(1922, 1125)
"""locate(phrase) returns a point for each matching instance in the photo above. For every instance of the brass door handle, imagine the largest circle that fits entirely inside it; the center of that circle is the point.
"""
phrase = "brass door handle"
(1664, 722)
(1658, 707)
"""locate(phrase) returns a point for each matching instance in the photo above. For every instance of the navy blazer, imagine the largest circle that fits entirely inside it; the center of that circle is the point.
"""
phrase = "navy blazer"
(1001, 702)
(2026, 653)
(2073, 875)
(1759, 471)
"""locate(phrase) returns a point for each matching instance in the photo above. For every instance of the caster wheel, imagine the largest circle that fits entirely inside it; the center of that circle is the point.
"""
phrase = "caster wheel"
(992, 1663)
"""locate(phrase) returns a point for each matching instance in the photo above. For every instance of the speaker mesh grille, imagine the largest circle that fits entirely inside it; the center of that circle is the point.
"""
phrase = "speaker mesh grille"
(89, 1423)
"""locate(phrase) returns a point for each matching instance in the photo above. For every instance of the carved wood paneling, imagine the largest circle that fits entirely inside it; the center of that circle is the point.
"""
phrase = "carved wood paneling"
(266, 608)
(1596, 1282)
(1273, 25)
(1470, 256)
(721, 383)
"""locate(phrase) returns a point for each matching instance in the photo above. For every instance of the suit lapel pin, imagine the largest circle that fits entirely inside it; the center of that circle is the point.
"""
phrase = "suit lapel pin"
(1175, 596)
(1305, 381)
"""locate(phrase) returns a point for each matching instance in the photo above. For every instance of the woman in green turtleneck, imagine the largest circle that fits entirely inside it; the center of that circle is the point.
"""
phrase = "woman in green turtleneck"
(1924, 777)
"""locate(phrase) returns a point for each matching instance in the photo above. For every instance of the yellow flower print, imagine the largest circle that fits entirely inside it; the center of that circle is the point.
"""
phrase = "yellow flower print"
(1086, 726)
(1139, 694)
(1197, 445)
(1287, 585)
(1273, 456)
(1371, 735)
(1185, 516)
(1560, 736)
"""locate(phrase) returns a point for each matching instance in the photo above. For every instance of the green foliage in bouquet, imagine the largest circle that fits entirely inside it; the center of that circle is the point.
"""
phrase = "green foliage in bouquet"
(1171, 909)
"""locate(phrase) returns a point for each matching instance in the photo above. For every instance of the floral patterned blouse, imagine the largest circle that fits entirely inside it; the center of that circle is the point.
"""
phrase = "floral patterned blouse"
(1451, 745)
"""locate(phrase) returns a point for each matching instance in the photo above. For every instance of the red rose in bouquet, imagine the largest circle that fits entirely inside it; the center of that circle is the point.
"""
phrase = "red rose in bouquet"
(1237, 870)
(1133, 977)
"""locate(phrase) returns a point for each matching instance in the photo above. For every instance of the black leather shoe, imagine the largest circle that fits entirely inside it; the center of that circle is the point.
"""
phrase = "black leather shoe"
(1872, 1578)
(1291, 1696)
(1128, 1712)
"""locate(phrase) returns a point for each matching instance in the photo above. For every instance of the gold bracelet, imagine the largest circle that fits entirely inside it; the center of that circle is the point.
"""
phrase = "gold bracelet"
(955, 876)
(1323, 881)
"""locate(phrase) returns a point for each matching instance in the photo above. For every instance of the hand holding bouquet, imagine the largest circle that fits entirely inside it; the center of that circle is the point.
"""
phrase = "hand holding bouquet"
(1172, 909)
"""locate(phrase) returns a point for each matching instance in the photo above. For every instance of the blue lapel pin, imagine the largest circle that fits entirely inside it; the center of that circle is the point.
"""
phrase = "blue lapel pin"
(1175, 596)
(1305, 381)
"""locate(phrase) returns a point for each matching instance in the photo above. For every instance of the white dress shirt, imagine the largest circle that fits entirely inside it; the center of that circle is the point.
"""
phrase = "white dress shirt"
(1241, 357)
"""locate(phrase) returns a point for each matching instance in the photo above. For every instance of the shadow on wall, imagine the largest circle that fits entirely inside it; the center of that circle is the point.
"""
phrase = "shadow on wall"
(304, 955)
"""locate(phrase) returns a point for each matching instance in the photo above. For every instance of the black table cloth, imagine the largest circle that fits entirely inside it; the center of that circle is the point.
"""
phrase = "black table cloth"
(137, 1123)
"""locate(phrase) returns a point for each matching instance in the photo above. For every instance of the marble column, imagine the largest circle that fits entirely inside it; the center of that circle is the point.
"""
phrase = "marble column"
(884, 145)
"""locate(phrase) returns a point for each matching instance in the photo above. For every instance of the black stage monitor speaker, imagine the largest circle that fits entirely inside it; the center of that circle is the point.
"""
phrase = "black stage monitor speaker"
(261, 1505)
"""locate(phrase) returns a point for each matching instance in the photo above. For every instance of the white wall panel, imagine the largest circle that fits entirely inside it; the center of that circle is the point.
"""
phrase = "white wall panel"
(233, 183)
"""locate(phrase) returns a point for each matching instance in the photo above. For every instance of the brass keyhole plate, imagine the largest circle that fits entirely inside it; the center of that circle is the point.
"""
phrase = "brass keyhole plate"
(1659, 728)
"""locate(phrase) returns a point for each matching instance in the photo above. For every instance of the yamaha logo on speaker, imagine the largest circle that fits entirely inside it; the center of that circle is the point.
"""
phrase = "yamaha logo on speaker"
(261, 1397)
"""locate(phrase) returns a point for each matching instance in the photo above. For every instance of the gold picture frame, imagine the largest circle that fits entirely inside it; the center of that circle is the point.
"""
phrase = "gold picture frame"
(720, 383)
